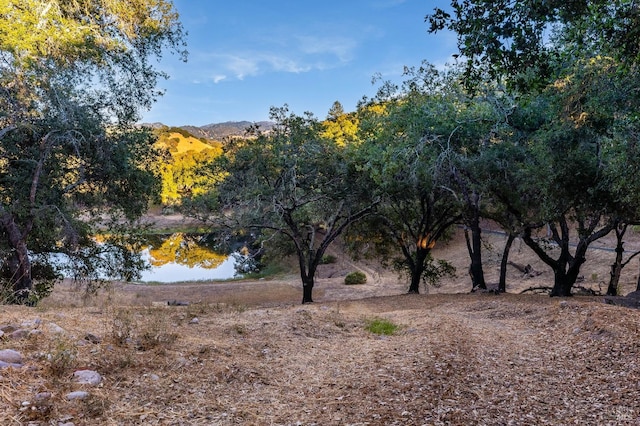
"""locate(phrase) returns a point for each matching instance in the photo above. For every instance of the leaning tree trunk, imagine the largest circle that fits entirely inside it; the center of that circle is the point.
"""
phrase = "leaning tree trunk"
(502, 284)
(19, 264)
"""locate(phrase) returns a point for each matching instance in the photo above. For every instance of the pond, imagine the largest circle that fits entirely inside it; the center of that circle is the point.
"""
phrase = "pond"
(183, 257)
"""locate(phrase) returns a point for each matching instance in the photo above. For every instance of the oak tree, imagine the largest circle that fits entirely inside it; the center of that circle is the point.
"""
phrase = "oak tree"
(74, 76)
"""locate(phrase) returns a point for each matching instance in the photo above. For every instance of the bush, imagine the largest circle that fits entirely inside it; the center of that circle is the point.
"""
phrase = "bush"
(328, 258)
(356, 277)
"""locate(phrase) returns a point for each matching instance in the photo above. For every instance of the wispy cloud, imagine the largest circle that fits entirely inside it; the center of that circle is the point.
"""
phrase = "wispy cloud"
(292, 54)
(340, 47)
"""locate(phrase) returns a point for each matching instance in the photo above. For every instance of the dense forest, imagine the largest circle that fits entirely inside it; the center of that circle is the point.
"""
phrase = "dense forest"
(536, 127)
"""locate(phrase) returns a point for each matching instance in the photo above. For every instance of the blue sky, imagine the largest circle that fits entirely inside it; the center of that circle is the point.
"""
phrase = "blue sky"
(248, 55)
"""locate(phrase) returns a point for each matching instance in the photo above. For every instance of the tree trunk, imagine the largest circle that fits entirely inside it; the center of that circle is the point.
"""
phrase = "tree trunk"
(417, 270)
(561, 285)
(474, 246)
(616, 267)
(19, 264)
(307, 290)
(564, 279)
(502, 284)
(616, 271)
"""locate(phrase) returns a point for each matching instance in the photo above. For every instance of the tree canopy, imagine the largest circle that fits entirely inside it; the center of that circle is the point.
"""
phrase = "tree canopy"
(75, 76)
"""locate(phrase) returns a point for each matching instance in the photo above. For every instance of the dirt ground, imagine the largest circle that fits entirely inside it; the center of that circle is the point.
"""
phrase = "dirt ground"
(247, 352)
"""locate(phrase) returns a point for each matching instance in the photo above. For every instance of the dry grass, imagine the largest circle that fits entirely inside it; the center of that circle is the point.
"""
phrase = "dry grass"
(455, 359)
(257, 357)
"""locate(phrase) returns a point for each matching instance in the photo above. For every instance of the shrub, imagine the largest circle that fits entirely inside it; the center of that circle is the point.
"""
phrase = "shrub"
(381, 326)
(328, 258)
(356, 277)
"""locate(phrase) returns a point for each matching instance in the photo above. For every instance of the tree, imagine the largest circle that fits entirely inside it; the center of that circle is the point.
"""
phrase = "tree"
(400, 150)
(295, 187)
(558, 171)
(70, 150)
(510, 39)
(340, 126)
(582, 76)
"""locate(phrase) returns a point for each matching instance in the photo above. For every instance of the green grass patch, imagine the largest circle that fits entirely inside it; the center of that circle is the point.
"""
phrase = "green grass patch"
(381, 326)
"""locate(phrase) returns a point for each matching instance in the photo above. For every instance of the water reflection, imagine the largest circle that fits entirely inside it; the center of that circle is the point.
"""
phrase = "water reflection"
(185, 257)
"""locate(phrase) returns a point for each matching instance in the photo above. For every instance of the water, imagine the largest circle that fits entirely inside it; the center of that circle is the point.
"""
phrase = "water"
(175, 271)
(185, 257)
(177, 257)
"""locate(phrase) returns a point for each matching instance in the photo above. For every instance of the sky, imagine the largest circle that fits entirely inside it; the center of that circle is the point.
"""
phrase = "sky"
(246, 56)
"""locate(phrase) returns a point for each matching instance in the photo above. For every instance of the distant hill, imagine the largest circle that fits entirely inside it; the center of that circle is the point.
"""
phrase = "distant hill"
(218, 131)
(181, 142)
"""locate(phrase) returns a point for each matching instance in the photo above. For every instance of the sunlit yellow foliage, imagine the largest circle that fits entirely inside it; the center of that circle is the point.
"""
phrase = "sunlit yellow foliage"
(178, 144)
(185, 251)
(342, 129)
(32, 29)
(185, 174)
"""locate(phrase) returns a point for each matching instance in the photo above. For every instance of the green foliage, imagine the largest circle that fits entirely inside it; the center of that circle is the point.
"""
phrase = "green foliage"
(406, 150)
(355, 278)
(381, 326)
(297, 188)
(71, 155)
(328, 259)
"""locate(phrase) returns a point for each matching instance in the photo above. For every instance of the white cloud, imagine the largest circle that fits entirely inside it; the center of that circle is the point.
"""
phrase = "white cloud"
(218, 78)
(340, 47)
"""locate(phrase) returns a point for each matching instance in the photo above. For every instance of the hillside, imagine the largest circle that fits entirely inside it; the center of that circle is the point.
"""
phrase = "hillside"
(179, 143)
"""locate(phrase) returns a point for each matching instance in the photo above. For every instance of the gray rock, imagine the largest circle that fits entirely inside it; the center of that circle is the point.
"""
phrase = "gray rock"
(42, 397)
(87, 377)
(8, 328)
(9, 364)
(77, 395)
(55, 328)
(19, 334)
(10, 356)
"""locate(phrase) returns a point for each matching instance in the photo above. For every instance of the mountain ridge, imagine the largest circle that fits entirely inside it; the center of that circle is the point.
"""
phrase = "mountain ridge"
(217, 131)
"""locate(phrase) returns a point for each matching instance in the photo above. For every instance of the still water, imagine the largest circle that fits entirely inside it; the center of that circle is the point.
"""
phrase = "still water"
(186, 257)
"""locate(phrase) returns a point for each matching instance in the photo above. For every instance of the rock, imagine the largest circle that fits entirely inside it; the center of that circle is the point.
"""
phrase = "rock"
(87, 377)
(77, 395)
(194, 321)
(90, 337)
(10, 356)
(19, 334)
(55, 328)
(1, 334)
(9, 364)
(8, 329)
(42, 397)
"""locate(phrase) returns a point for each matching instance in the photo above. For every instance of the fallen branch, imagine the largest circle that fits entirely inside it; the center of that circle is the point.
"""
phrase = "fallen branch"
(527, 271)
(537, 290)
